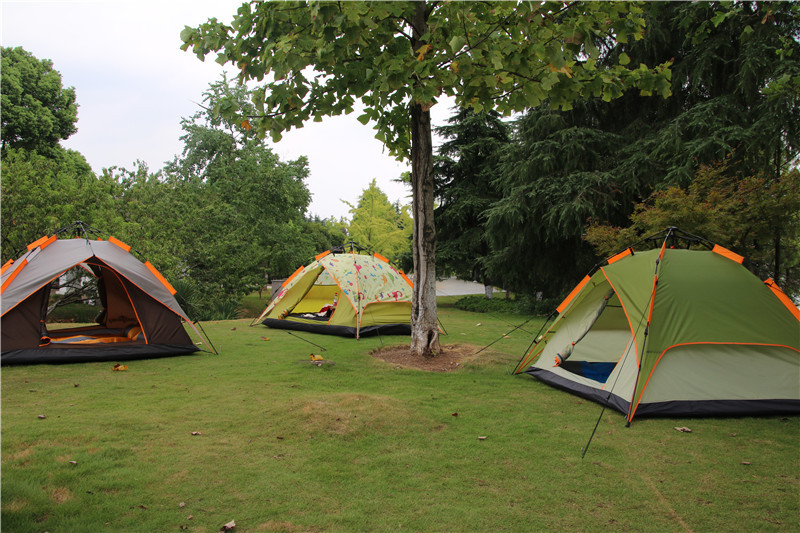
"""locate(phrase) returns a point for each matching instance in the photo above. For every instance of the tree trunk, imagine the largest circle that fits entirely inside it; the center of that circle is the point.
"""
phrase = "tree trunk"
(424, 325)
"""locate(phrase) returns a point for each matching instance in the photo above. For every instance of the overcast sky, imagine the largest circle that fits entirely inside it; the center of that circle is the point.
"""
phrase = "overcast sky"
(133, 85)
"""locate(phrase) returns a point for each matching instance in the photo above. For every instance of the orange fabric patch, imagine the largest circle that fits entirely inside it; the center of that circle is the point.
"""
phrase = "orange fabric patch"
(290, 278)
(624, 253)
(406, 278)
(572, 295)
(161, 278)
(119, 243)
(783, 298)
(724, 252)
(38, 242)
(13, 275)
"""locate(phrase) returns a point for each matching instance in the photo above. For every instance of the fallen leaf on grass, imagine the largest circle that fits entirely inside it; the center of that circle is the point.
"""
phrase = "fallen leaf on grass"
(683, 430)
(264, 338)
(190, 517)
(455, 414)
(196, 433)
(182, 504)
(479, 324)
(229, 526)
(73, 462)
(481, 438)
(745, 463)
(119, 368)
(42, 417)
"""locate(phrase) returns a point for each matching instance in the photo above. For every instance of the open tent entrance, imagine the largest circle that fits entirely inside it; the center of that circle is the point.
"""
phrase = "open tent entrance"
(96, 293)
(321, 291)
(598, 337)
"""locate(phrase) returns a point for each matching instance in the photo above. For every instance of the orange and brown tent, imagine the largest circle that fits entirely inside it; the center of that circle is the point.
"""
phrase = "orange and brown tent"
(139, 318)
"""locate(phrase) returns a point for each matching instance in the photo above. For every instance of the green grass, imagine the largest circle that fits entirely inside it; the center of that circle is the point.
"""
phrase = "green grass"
(252, 305)
(362, 445)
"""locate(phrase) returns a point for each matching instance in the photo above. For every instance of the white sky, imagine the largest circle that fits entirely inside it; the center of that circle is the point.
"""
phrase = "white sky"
(133, 85)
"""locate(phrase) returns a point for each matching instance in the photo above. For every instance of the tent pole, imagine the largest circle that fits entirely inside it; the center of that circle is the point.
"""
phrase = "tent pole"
(358, 294)
(632, 407)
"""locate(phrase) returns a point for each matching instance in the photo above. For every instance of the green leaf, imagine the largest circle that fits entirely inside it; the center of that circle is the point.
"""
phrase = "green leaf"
(624, 59)
(457, 43)
(719, 18)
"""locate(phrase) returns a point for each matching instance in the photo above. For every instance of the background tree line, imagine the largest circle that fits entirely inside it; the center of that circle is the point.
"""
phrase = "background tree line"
(528, 204)
(533, 203)
(219, 220)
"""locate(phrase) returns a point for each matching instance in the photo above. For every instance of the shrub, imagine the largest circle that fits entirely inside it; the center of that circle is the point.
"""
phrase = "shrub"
(539, 307)
(480, 304)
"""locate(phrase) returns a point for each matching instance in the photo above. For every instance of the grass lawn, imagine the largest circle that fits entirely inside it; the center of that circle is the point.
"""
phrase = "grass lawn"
(260, 436)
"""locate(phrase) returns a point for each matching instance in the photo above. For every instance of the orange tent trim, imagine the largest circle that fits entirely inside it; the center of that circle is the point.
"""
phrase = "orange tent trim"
(724, 252)
(290, 278)
(572, 295)
(783, 298)
(626, 252)
(161, 278)
(697, 344)
(121, 244)
(13, 275)
(406, 278)
(37, 242)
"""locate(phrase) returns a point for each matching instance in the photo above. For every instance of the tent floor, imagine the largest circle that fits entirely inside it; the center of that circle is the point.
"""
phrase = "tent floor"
(56, 354)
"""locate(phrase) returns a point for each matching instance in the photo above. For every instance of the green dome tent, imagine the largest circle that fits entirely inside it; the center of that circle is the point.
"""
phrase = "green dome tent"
(343, 293)
(674, 332)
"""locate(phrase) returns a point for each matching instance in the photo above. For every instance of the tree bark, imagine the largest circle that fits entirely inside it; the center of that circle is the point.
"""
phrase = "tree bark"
(424, 324)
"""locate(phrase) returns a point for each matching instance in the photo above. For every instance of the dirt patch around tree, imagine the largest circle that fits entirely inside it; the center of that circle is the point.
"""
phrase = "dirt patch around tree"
(452, 357)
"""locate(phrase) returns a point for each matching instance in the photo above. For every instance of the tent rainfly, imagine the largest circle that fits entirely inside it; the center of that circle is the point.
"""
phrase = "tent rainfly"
(140, 316)
(343, 293)
(674, 332)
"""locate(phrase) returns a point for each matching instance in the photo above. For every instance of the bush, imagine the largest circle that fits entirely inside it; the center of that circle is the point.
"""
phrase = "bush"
(480, 304)
(532, 306)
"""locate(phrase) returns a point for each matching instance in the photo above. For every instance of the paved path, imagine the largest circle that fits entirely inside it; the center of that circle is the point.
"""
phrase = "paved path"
(457, 287)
